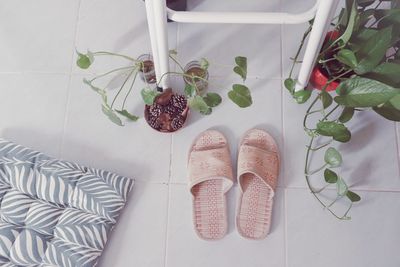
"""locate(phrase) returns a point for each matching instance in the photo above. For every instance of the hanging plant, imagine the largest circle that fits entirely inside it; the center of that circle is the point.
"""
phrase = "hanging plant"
(357, 70)
(164, 111)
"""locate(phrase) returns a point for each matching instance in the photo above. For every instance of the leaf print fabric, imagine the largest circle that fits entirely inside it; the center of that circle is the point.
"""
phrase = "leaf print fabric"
(54, 212)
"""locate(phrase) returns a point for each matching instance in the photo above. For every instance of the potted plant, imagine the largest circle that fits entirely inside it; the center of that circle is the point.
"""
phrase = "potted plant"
(361, 59)
(164, 111)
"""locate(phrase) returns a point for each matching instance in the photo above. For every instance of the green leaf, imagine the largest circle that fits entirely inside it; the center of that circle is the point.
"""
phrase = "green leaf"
(372, 52)
(111, 115)
(84, 60)
(197, 103)
(388, 112)
(345, 37)
(330, 176)
(148, 95)
(190, 90)
(127, 115)
(333, 157)
(212, 99)
(326, 99)
(341, 187)
(98, 90)
(353, 196)
(204, 64)
(347, 57)
(395, 102)
(387, 72)
(346, 115)
(302, 96)
(337, 131)
(289, 84)
(359, 39)
(241, 68)
(240, 95)
(364, 92)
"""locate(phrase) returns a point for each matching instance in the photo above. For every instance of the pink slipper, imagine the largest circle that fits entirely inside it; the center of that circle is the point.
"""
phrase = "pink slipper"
(258, 169)
(210, 177)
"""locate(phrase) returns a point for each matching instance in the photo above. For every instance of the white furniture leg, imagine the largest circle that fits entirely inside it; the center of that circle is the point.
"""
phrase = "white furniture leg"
(153, 37)
(156, 10)
(157, 22)
(323, 17)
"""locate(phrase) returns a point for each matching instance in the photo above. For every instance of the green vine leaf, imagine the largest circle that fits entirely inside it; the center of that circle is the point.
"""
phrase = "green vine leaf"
(127, 115)
(204, 64)
(197, 103)
(84, 60)
(241, 67)
(190, 90)
(346, 114)
(240, 95)
(289, 84)
(212, 99)
(347, 57)
(332, 157)
(395, 101)
(364, 92)
(372, 52)
(302, 96)
(337, 131)
(149, 95)
(330, 176)
(111, 115)
(353, 196)
(326, 99)
(98, 90)
(388, 112)
(341, 187)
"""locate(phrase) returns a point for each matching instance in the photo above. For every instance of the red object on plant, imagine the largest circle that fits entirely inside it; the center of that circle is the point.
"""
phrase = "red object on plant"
(318, 78)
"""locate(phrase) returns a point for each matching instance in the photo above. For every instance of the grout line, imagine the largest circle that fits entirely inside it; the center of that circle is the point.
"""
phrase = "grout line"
(372, 190)
(35, 72)
(397, 146)
(61, 145)
(286, 258)
(167, 226)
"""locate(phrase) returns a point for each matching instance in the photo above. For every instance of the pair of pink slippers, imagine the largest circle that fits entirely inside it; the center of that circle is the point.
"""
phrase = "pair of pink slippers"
(211, 177)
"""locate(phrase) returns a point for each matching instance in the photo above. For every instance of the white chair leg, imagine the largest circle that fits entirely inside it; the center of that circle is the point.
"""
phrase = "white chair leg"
(153, 37)
(323, 17)
(160, 25)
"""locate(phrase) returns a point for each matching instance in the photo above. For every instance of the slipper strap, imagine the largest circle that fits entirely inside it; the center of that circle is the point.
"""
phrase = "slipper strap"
(210, 164)
(263, 163)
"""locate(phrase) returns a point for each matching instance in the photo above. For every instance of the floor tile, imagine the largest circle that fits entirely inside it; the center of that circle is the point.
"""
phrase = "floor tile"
(184, 248)
(32, 110)
(118, 26)
(139, 236)
(315, 238)
(38, 35)
(134, 150)
(231, 120)
(365, 157)
(220, 43)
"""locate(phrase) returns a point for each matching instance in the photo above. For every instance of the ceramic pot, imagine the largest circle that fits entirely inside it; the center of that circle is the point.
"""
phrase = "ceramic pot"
(168, 113)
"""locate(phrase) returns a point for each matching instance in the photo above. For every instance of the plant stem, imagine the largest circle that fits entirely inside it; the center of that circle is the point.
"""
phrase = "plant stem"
(120, 89)
(105, 53)
(308, 112)
(299, 50)
(317, 170)
(111, 71)
(177, 63)
(130, 89)
(182, 74)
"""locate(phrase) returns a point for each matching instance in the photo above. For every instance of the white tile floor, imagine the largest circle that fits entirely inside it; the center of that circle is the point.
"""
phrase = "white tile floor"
(44, 105)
